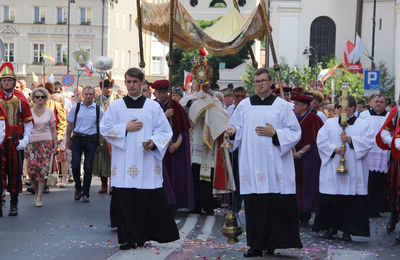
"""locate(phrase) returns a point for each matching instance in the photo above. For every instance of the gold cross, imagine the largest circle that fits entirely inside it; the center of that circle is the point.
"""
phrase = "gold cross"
(133, 171)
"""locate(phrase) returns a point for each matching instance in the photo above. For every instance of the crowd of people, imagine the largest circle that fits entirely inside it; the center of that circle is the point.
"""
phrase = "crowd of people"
(157, 154)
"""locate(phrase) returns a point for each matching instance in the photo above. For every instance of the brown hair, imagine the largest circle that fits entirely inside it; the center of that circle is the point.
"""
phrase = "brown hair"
(135, 73)
(260, 71)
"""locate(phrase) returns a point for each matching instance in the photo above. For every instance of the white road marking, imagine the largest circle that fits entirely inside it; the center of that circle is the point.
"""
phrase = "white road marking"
(159, 251)
(207, 228)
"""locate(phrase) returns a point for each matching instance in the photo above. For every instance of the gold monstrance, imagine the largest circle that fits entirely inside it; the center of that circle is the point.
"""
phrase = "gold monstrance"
(343, 123)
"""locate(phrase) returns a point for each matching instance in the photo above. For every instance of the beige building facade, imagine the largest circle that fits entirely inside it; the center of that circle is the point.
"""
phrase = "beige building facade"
(29, 28)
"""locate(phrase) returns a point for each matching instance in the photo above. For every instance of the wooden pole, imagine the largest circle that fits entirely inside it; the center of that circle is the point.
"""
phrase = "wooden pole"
(277, 68)
(171, 49)
(142, 64)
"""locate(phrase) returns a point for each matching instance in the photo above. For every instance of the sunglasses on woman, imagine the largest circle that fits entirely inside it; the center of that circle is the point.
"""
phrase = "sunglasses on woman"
(40, 97)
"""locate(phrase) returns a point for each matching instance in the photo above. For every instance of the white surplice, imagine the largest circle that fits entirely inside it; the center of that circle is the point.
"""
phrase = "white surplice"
(263, 166)
(378, 159)
(131, 166)
(355, 181)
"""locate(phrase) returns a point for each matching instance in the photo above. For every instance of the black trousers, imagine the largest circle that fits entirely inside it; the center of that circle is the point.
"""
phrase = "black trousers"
(86, 145)
(203, 190)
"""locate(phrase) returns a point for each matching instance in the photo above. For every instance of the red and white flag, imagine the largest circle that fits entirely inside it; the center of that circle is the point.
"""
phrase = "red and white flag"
(188, 78)
(358, 49)
(348, 53)
(89, 68)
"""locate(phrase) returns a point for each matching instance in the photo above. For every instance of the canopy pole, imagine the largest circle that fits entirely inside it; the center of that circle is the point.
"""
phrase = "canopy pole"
(171, 48)
(277, 68)
(142, 64)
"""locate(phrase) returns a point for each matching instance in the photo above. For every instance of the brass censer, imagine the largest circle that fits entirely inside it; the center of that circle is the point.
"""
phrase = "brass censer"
(231, 230)
(343, 123)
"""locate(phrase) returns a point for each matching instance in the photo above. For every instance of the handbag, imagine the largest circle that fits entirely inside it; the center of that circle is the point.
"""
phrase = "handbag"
(52, 177)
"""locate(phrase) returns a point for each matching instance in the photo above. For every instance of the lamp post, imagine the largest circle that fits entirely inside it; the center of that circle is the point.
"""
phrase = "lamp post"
(308, 53)
(69, 30)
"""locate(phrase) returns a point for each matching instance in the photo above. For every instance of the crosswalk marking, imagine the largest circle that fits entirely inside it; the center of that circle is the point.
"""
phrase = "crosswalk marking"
(207, 228)
(160, 251)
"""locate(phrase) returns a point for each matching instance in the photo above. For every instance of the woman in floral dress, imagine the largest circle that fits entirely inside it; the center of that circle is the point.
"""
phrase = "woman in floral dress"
(42, 143)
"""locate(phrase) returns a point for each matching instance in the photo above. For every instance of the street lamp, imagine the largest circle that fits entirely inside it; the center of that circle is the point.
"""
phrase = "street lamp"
(307, 52)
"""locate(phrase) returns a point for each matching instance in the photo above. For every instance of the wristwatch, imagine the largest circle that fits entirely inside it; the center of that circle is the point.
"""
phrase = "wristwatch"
(301, 152)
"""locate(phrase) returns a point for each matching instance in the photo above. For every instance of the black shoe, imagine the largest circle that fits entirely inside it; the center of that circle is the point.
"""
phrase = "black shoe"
(13, 210)
(252, 252)
(1, 212)
(270, 251)
(208, 211)
(140, 244)
(31, 190)
(346, 237)
(391, 225)
(127, 246)
(397, 238)
(78, 195)
(46, 189)
(330, 233)
(85, 199)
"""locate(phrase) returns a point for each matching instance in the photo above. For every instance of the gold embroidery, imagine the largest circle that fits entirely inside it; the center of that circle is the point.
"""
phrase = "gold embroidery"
(133, 171)
(279, 177)
(112, 135)
(157, 170)
(114, 170)
(245, 178)
(344, 180)
(261, 177)
(359, 181)
(330, 180)
(165, 142)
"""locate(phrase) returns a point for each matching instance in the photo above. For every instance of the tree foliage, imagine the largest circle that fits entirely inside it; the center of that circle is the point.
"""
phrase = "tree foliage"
(305, 77)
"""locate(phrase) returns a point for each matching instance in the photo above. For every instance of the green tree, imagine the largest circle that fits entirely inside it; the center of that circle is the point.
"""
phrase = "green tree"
(387, 81)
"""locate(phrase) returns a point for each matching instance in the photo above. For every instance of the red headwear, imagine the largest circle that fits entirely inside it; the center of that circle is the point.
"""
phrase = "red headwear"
(160, 84)
(7, 71)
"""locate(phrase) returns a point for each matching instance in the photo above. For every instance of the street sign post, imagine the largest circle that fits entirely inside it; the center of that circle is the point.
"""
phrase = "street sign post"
(68, 80)
(372, 82)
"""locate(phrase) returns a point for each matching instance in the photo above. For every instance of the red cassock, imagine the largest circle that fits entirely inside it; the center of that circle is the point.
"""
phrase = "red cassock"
(392, 125)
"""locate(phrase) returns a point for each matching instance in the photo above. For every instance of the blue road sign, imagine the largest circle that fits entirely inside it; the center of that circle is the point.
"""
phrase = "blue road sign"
(68, 80)
(372, 80)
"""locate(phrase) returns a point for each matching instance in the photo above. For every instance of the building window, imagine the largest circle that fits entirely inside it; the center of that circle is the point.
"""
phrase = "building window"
(39, 14)
(217, 3)
(156, 65)
(130, 23)
(86, 14)
(322, 39)
(38, 49)
(62, 15)
(129, 58)
(61, 55)
(9, 52)
(9, 14)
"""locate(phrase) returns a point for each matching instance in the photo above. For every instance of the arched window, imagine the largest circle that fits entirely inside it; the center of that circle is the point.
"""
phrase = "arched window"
(217, 3)
(322, 39)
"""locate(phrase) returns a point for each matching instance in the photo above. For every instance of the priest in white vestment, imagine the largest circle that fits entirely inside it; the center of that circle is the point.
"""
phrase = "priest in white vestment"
(139, 134)
(209, 122)
(378, 159)
(266, 130)
(343, 201)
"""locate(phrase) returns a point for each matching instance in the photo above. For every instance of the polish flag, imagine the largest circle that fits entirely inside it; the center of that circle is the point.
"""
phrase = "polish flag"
(188, 78)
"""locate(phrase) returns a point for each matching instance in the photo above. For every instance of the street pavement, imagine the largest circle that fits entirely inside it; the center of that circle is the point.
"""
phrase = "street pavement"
(67, 229)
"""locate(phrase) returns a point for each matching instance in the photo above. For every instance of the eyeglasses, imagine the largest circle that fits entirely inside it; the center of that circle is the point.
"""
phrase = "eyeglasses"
(260, 82)
(239, 96)
(40, 97)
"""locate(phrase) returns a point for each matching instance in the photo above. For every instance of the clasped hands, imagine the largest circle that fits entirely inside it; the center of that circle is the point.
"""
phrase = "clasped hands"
(132, 126)
(342, 150)
(267, 130)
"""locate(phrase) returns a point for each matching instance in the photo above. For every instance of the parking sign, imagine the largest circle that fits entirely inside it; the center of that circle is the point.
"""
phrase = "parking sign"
(372, 80)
